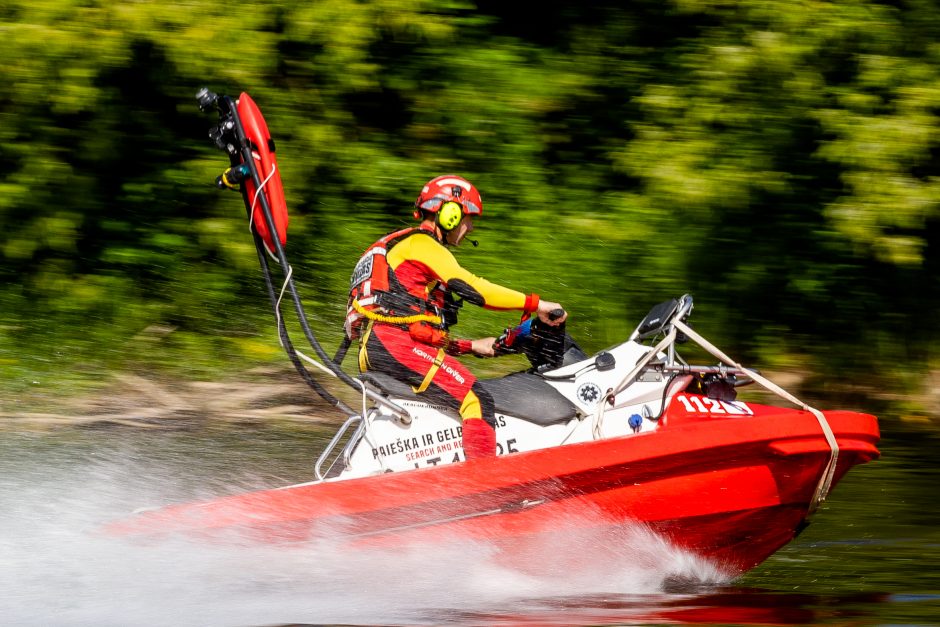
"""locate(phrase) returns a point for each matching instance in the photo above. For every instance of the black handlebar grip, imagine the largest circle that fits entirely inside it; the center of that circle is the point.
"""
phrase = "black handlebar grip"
(555, 314)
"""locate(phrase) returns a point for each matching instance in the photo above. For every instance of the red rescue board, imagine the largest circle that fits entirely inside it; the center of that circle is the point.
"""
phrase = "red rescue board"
(262, 150)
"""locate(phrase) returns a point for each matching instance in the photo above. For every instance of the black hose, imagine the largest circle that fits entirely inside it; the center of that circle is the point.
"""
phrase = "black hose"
(286, 341)
(662, 408)
(341, 351)
(243, 155)
(279, 249)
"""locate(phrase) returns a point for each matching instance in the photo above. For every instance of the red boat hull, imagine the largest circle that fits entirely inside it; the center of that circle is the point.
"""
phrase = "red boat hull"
(730, 489)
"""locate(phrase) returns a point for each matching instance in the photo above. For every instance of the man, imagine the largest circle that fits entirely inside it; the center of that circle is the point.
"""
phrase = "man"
(403, 299)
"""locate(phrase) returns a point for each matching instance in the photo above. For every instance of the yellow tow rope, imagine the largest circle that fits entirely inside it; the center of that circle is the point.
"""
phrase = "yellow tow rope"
(377, 317)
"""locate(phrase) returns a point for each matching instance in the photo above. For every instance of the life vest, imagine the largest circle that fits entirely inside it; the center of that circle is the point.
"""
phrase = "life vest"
(375, 293)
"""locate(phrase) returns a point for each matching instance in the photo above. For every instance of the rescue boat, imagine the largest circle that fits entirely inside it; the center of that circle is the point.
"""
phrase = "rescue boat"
(631, 436)
(675, 451)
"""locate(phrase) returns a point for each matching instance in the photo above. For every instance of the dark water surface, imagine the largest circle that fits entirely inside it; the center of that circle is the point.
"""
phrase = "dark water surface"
(870, 557)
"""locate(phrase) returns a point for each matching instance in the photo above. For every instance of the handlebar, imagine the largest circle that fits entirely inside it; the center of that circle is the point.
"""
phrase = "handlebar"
(512, 340)
(505, 344)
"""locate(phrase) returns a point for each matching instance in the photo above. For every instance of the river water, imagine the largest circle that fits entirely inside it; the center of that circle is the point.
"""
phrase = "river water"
(870, 557)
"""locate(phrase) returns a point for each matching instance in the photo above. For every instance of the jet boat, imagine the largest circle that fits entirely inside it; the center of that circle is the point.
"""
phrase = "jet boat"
(661, 443)
(633, 435)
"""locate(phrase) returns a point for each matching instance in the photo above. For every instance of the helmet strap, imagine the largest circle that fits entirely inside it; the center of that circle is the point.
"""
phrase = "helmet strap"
(431, 229)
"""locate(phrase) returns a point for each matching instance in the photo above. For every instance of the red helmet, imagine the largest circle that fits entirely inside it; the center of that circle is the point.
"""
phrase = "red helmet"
(449, 188)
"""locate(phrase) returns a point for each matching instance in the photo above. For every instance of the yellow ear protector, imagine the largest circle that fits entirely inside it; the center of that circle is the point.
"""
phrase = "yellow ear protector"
(449, 215)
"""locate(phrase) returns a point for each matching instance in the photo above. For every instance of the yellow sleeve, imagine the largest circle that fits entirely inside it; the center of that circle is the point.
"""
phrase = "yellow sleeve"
(438, 259)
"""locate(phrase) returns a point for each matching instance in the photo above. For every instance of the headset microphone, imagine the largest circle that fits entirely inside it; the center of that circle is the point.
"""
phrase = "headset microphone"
(474, 242)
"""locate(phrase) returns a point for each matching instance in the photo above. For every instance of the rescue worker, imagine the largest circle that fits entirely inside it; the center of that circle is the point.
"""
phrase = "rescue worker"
(404, 295)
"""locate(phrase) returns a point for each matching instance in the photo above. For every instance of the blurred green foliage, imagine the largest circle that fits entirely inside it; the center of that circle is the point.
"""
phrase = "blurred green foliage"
(777, 159)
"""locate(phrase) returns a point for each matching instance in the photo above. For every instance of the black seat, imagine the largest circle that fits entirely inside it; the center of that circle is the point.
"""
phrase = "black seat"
(528, 396)
(521, 394)
(389, 385)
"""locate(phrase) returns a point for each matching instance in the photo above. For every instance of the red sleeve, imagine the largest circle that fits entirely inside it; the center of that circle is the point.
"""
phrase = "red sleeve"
(531, 303)
(459, 347)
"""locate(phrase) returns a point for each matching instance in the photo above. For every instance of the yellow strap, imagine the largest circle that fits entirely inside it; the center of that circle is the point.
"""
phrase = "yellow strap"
(363, 355)
(377, 317)
(226, 181)
(470, 408)
(433, 371)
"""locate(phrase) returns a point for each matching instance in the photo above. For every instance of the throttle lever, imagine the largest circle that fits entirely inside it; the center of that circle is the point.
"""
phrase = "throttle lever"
(507, 344)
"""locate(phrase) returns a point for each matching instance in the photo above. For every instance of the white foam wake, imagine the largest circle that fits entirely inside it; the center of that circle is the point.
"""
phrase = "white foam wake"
(55, 568)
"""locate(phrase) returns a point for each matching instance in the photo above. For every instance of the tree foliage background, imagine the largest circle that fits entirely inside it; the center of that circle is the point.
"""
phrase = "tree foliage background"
(777, 159)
